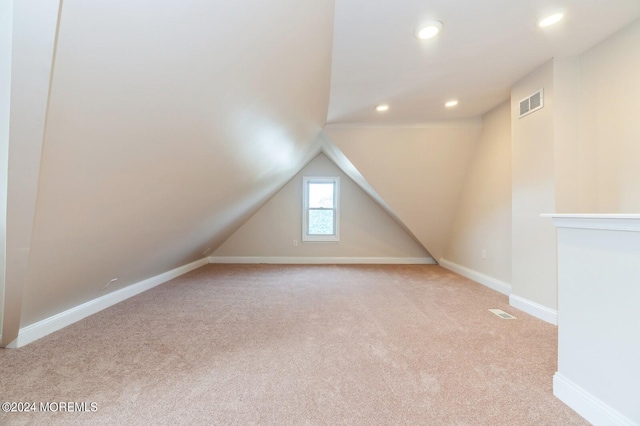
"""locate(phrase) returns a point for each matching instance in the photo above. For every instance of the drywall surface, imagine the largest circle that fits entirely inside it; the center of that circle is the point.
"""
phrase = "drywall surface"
(169, 124)
(417, 171)
(366, 230)
(6, 34)
(533, 239)
(483, 215)
(609, 124)
(570, 171)
(598, 317)
(32, 53)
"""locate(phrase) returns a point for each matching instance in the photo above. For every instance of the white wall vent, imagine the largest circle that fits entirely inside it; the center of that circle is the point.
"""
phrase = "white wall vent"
(532, 103)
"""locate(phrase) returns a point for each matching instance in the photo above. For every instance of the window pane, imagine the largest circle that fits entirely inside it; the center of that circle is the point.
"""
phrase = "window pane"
(321, 195)
(321, 222)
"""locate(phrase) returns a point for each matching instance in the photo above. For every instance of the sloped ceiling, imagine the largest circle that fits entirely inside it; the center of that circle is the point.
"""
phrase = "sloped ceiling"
(337, 156)
(365, 229)
(145, 132)
(417, 171)
(169, 123)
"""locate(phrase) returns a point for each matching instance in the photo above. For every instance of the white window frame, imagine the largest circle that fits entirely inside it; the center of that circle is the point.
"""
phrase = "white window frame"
(305, 208)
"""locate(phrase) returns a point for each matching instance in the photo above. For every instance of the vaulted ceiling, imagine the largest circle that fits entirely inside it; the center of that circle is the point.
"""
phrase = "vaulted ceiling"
(144, 132)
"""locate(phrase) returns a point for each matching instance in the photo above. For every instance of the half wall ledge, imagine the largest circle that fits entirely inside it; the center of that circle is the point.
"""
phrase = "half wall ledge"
(598, 317)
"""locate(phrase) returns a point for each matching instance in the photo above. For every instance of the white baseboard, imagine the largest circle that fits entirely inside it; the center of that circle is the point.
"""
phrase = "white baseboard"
(47, 326)
(486, 280)
(532, 308)
(594, 410)
(324, 260)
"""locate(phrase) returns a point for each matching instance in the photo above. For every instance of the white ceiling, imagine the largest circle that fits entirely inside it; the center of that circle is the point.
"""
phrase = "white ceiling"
(485, 47)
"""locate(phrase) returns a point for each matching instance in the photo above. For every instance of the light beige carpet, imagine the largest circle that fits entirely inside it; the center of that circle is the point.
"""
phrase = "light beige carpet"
(296, 345)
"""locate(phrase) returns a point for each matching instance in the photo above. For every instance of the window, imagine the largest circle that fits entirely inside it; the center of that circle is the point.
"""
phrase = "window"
(320, 210)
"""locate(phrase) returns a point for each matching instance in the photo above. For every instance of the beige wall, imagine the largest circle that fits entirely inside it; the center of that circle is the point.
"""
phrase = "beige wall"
(6, 28)
(569, 169)
(165, 132)
(418, 171)
(33, 47)
(610, 122)
(533, 239)
(579, 154)
(157, 148)
(483, 213)
(365, 229)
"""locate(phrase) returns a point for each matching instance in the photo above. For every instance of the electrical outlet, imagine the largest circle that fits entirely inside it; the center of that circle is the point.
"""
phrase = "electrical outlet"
(295, 243)
(483, 254)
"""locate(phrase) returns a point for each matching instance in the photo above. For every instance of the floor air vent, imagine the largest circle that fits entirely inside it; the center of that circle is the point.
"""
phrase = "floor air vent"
(532, 103)
(502, 314)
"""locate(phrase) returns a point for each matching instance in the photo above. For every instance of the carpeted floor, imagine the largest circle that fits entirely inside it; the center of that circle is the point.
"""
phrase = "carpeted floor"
(296, 345)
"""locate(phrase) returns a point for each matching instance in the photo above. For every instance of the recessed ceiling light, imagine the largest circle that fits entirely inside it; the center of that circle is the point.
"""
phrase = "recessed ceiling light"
(429, 30)
(551, 19)
(382, 108)
(451, 103)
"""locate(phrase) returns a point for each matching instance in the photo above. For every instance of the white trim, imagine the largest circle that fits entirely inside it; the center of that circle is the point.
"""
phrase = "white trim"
(480, 278)
(324, 260)
(532, 308)
(613, 222)
(594, 410)
(47, 326)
